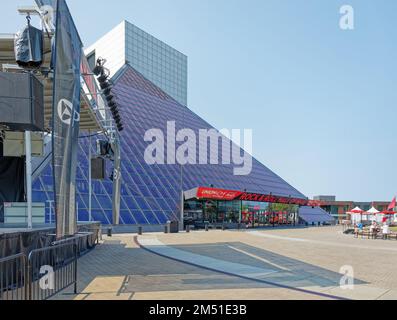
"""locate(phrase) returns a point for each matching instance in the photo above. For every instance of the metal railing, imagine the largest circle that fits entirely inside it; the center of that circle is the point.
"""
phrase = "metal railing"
(52, 270)
(13, 278)
(45, 272)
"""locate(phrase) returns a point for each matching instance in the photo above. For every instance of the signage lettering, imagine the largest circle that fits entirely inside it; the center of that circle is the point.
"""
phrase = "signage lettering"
(229, 195)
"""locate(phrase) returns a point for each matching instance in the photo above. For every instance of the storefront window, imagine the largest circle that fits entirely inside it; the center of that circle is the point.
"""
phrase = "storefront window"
(193, 212)
(259, 214)
(229, 211)
(253, 214)
(211, 211)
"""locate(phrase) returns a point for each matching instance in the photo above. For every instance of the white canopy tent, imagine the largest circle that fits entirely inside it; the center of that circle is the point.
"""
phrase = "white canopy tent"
(356, 215)
(373, 214)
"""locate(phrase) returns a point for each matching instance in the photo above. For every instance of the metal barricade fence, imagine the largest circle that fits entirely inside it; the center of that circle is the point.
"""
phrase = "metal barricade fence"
(46, 272)
(52, 270)
(13, 278)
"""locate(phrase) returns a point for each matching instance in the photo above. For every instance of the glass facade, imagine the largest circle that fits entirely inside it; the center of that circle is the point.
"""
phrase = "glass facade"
(151, 194)
(158, 62)
(161, 64)
(252, 214)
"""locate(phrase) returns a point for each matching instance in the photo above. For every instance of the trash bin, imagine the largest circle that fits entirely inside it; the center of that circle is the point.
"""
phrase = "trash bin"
(174, 227)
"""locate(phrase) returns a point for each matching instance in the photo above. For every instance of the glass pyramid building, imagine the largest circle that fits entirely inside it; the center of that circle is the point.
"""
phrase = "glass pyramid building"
(151, 194)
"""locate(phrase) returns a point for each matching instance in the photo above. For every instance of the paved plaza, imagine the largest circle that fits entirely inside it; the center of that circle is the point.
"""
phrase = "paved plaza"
(237, 265)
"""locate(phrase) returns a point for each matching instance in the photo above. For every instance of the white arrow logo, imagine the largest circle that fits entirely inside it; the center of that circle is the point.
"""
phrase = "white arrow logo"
(117, 174)
(65, 109)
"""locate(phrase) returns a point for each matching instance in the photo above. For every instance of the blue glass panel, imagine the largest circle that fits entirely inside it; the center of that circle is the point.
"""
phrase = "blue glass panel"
(171, 216)
(161, 217)
(138, 216)
(142, 203)
(99, 216)
(133, 190)
(151, 217)
(47, 182)
(109, 187)
(82, 186)
(127, 217)
(80, 202)
(145, 191)
(130, 203)
(83, 215)
(153, 204)
(105, 202)
(36, 185)
(39, 196)
(123, 205)
(94, 202)
(109, 216)
(47, 171)
(97, 188)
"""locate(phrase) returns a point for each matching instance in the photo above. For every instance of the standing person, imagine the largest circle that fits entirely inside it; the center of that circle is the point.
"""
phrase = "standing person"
(356, 230)
(374, 229)
(385, 231)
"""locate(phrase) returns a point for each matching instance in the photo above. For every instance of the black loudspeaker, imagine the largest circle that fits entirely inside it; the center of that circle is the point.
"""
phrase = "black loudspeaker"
(98, 169)
(21, 102)
(29, 47)
(104, 148)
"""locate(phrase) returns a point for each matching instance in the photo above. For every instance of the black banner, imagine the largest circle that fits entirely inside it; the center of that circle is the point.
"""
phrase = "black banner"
(67, 55)
(169, 310)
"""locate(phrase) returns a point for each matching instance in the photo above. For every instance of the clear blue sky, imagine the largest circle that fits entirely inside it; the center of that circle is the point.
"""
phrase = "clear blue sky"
(321, 101)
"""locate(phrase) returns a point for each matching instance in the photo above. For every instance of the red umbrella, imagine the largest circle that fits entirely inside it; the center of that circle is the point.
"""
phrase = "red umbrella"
(388, 212)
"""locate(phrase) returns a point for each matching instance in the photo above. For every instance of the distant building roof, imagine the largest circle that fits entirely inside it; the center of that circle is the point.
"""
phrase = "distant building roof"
(325, 198)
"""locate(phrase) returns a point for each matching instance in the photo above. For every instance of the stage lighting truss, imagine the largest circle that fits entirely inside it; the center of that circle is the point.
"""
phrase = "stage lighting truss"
(106, 86)
(99, 69)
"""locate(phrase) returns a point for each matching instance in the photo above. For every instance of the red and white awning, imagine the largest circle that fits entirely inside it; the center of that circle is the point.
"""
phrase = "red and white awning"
(204, 193)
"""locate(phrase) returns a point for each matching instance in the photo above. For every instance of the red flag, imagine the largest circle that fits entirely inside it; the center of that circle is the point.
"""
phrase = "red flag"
(392, 205)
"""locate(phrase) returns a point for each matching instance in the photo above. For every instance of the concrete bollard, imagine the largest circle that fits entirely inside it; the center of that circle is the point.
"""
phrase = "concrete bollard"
(188, 228)
(169, 226)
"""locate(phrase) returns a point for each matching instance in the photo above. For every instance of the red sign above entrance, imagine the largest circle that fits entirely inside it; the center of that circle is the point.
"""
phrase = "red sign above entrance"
(255, 197)
(217, 194)
(230, 195)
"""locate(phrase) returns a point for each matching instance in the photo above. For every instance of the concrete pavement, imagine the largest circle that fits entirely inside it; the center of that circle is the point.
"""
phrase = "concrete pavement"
(231, 265)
